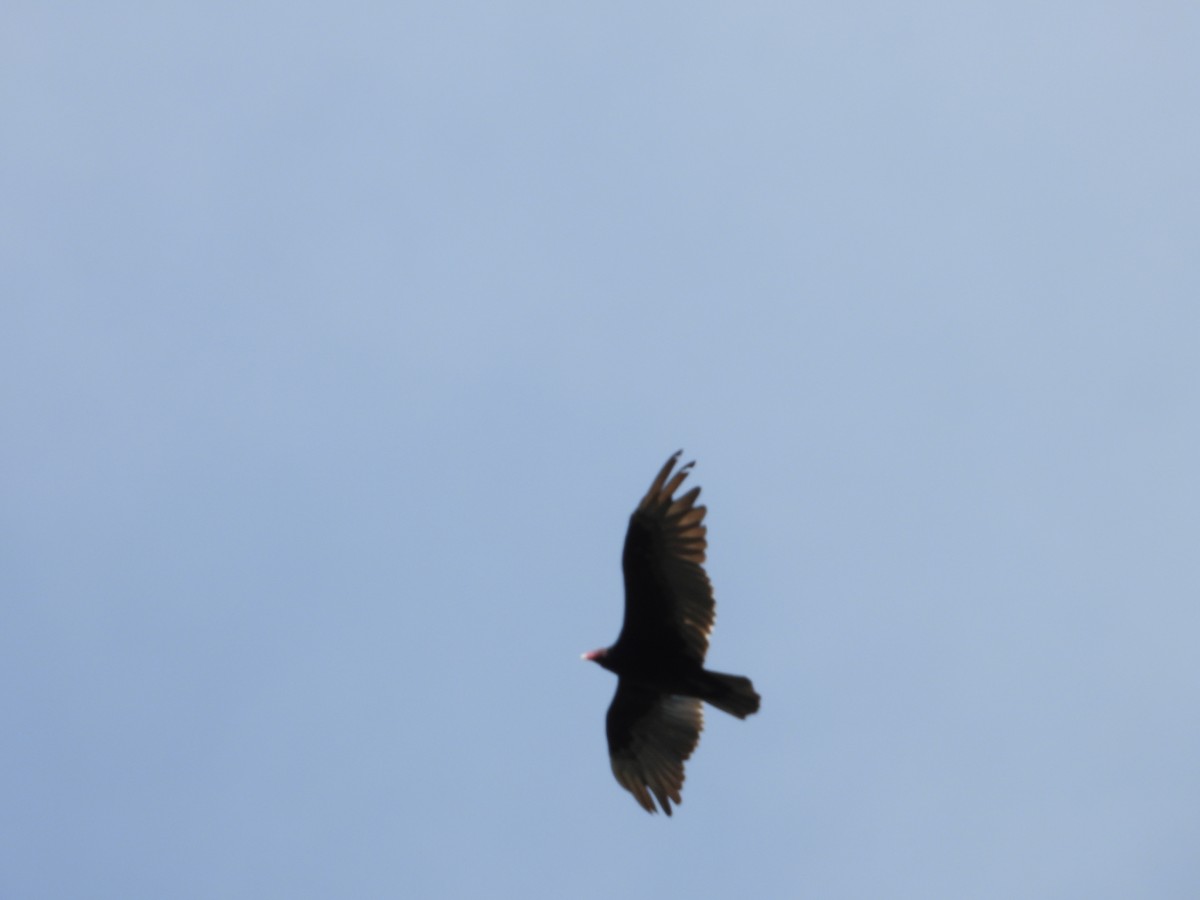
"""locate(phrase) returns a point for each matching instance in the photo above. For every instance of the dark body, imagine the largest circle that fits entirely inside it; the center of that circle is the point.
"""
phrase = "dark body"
(655, 719)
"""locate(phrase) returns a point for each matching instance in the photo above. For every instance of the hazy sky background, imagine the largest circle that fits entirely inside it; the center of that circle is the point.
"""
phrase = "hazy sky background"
(338, 341)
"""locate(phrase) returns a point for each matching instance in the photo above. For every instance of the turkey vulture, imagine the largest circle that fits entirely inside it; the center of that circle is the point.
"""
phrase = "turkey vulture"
(655, 718)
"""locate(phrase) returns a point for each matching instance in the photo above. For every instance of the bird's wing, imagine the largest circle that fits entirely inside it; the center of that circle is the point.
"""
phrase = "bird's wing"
(650, 734)
(669, 607)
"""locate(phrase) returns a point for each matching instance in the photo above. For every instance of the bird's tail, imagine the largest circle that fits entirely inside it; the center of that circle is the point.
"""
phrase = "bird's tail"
(730, 693)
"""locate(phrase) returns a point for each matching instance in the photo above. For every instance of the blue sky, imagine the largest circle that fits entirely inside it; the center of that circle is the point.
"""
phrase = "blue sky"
(339, 341)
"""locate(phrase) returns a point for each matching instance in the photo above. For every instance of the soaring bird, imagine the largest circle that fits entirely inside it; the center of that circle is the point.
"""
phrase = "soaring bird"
(655, 718)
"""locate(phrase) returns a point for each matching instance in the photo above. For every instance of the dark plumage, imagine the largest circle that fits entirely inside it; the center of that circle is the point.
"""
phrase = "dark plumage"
(655, 719)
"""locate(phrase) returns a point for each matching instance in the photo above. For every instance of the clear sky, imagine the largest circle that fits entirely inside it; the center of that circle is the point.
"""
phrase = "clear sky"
(338, 341)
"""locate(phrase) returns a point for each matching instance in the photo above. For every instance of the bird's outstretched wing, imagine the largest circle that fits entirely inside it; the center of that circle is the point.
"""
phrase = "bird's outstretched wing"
(650, 735)
(669, 607)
